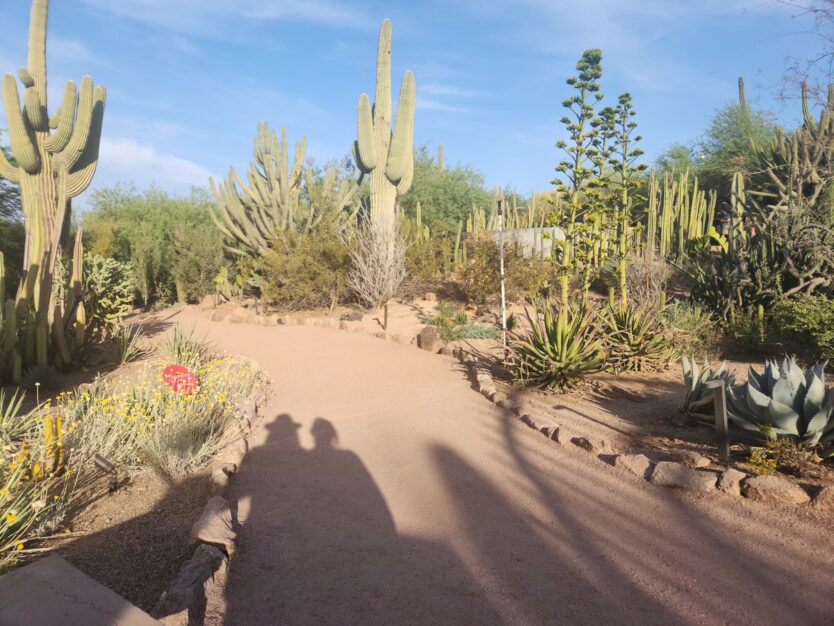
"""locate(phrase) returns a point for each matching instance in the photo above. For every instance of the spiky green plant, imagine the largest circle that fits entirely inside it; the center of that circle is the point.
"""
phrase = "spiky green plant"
(183, 347)
(634, 338)
(386, 156)
(698, 403)
(559, 349)
(278, 196)
(785, 401)
(55, 158)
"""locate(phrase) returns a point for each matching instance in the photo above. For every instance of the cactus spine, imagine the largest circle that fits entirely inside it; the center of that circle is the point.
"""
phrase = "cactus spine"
(386, 156)
(56, 158)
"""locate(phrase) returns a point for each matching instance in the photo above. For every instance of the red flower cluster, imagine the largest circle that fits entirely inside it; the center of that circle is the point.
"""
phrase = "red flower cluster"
(179, 379)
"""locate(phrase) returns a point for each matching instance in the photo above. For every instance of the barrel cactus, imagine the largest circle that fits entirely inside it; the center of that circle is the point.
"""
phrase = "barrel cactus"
(785, 401)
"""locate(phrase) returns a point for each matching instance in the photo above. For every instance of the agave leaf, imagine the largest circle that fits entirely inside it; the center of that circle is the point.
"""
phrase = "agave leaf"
(757, 403)
(783, 417)
(814, 396)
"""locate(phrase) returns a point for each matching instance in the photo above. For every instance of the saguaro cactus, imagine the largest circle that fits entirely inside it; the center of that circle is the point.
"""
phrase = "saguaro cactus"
(55, 160)
(387, 157)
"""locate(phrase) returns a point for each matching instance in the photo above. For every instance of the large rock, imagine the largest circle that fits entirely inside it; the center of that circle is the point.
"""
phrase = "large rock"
(51, 592)
(353, 316)
(773, 488)
(637, 464)
(215, 525)
(669, 474)
(730, 481)
(429, 339)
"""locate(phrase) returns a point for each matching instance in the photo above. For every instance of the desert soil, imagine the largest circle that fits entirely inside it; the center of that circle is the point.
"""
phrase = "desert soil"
(382, 488)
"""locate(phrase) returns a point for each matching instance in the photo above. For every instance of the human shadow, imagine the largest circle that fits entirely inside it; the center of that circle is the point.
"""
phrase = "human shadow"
(318, 545)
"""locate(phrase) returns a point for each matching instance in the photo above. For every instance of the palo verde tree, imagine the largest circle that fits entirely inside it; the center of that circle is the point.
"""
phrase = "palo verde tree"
(55, 158)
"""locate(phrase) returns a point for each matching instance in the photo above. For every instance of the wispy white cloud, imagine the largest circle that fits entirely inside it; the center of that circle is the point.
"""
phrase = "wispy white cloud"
(427, 104)
(442, 89)
(125, 159)
(70, 50)
(211, 17)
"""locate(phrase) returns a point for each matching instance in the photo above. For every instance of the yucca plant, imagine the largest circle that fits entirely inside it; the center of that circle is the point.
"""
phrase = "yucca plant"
(634, 338)
(785, 401)
(698, 403)
(560, 348)
(128, 341)
(183, 347)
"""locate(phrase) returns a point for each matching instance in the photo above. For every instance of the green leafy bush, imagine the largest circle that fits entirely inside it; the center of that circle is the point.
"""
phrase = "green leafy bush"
(557, 352)
(109, 293)
(525, 277)
(453, 324)
(805, 323)
(304, 271)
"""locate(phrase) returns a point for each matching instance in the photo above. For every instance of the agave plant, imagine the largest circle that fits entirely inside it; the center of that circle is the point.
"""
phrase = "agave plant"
(558, 350)
(698, 403)
(634, 338)
(785, 401)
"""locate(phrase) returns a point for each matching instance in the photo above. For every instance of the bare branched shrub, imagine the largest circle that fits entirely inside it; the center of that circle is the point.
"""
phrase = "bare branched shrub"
(377, 262)
(646, 276)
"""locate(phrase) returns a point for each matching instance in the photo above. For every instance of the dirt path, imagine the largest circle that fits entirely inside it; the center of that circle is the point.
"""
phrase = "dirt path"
(383, 490)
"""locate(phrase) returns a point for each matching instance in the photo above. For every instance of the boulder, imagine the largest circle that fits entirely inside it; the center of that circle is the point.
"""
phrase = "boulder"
(730, 481)
(773, 488)
(429, 339)
(669, 474)
(215, 525)
(637, 464)
(353, 316)
(691, 459)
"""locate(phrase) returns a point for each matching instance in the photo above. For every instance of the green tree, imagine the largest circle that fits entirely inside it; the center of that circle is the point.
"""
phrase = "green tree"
(725, 147)
(446, 196)
(169, 241)
(676, 158)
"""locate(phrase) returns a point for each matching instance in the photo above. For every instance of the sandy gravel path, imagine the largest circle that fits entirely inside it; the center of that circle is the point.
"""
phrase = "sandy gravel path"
(382, 489)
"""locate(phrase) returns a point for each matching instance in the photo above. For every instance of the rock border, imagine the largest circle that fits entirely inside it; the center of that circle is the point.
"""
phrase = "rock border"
(185, 601)
(691, 471)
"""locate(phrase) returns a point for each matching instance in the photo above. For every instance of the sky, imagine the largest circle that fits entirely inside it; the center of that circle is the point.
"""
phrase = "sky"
(189, 80)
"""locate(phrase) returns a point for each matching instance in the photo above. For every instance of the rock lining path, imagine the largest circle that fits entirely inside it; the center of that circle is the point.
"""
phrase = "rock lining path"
(383, 489)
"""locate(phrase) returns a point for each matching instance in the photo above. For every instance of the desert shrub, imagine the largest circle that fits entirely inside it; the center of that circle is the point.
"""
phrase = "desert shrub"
(453, 324)
(304, 271)
(377, 263)
(805, 323)
(128, 341)
(183, 347)
(646, 278)
(197, 261)
(141, 422)
(691, 330)
(793, 458)
(109, 293)
(558, 351)
(525, 277)
(634, 339)
(761, 462)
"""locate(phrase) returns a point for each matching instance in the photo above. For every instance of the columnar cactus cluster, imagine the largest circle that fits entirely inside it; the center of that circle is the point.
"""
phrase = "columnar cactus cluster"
(386, 156)
(251, 214)
(55, 158)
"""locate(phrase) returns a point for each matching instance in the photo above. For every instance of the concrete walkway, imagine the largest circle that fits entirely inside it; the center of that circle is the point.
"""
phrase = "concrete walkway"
(382, 489)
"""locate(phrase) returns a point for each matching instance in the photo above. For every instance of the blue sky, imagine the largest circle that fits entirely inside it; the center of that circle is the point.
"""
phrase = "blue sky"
(188, 80)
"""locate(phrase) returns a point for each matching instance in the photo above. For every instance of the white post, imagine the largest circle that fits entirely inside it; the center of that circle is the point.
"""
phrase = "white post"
(503, 289)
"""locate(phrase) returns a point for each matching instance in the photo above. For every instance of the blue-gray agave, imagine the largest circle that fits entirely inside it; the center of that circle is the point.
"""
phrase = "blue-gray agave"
(785, 401)
(698, 403)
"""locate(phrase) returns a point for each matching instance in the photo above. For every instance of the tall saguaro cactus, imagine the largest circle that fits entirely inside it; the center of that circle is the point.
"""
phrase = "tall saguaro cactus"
(55, 160)
(388, 157)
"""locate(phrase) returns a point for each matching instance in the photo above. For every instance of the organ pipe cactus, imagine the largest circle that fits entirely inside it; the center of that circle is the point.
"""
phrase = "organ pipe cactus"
(386, 156)
(277, 196)
(55, 158)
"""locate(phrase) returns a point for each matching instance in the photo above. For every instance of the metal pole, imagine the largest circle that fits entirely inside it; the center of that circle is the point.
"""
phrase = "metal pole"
(720, 402)
(503, 288)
